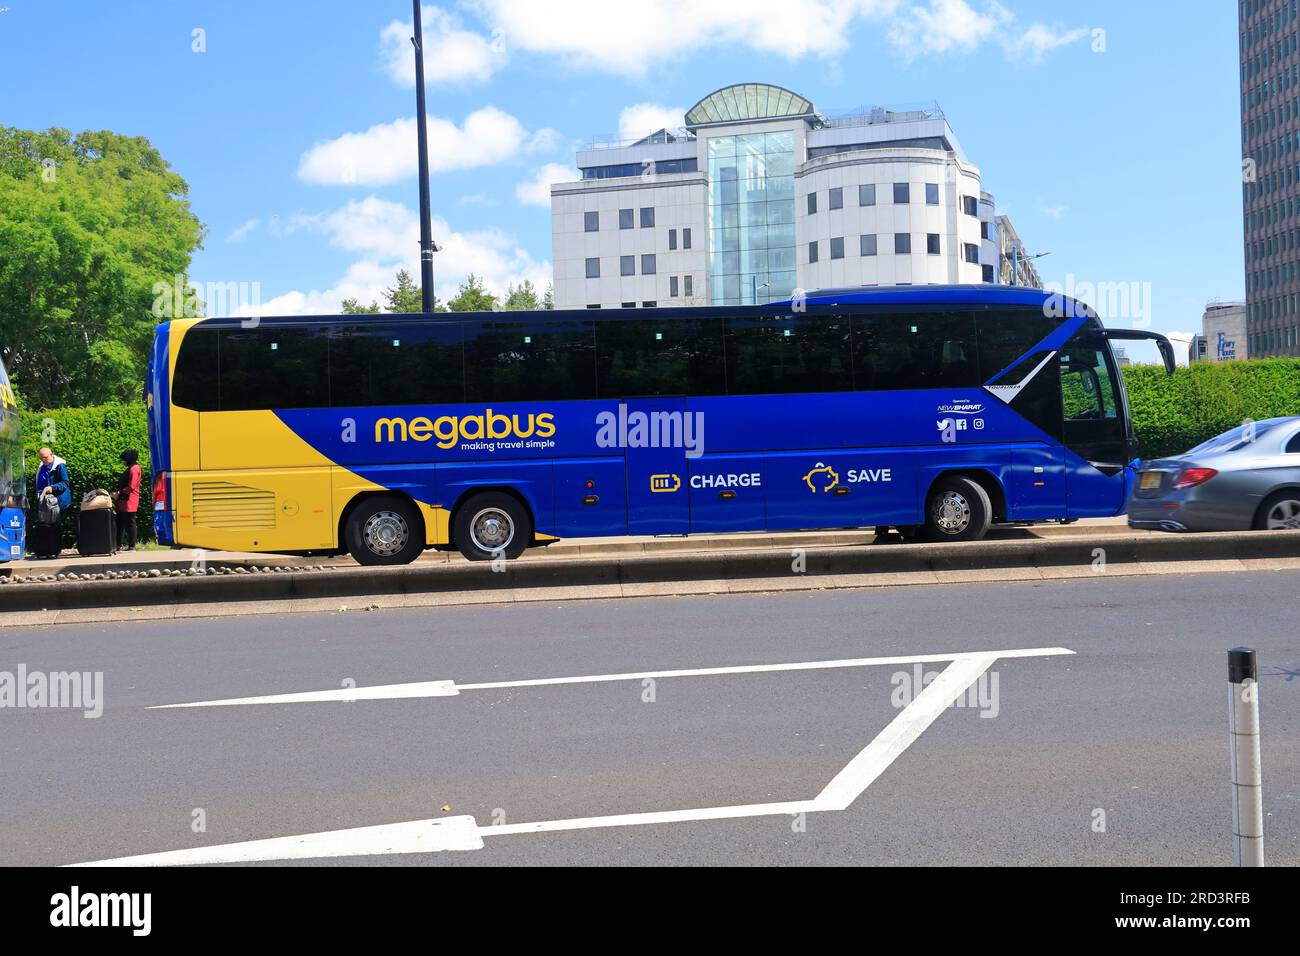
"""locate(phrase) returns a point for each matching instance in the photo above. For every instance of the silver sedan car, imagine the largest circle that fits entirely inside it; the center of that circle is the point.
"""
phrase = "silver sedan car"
(1246, 478)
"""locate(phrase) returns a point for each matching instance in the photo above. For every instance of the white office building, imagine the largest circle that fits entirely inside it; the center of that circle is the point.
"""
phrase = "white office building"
(1223, 338)
(759, 195)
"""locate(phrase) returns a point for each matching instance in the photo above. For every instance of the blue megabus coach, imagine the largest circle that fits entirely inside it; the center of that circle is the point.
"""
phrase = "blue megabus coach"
(937, 410)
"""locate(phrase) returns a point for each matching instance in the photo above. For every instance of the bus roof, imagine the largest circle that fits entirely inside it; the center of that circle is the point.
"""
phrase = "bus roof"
(949, 295)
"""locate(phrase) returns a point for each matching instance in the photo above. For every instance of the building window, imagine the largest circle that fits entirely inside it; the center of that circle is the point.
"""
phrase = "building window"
(837, 198)
(984, 230)
(901, 193)
(672, 287)
(970, 252)
(647, 217)
(812, 251)
(625, 220)
(686, 238)
(837, 248)
(648, 265)
(812, 203)
(970, 206)
(672, 239)
(650, 305)
(590, 221)
(932, 194)
(932, 243)
(867, 244)
(902, 242)
(593, 268)
(988, 273)
(629, 305)
(867, 194)
(596, 306)
(627, 265)
(686, 286)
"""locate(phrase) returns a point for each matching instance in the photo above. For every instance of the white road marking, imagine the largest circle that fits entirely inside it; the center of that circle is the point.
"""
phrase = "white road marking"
(464, 833)
(447, 688)
(417, 836)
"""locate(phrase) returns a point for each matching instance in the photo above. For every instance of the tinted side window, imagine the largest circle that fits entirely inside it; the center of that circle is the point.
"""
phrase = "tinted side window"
(644, 357)
(194, 382)
(915, 350)
(788, 353)
(398, 364)
(1005, 336)
(273, 368)
(529, 361)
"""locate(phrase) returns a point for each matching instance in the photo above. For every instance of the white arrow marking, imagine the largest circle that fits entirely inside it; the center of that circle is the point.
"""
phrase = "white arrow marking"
(417, 836)
(447, 688)
(465, 834)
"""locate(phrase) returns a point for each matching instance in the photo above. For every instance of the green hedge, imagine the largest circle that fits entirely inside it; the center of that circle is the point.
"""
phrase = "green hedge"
(90, 440)
(1173, 413)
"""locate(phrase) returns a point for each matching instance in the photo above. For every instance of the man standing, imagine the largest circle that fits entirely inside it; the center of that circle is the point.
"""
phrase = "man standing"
(53, 477)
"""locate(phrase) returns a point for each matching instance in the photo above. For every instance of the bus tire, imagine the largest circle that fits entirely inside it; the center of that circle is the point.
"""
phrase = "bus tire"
(385, 529)
(957, 509)
(491, 524)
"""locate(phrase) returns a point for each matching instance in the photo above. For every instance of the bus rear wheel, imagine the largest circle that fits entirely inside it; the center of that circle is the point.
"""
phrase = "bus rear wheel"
(958, 509)
(384, 530)
(491, 524)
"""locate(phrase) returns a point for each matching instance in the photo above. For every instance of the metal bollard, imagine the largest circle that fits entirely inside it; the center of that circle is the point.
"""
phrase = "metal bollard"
(1243, 740)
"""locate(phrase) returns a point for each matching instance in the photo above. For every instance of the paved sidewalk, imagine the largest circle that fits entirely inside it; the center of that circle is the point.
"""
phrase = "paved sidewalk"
(71, 562)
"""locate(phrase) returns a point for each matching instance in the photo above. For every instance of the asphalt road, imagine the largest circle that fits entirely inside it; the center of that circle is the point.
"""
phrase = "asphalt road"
(1134, 724)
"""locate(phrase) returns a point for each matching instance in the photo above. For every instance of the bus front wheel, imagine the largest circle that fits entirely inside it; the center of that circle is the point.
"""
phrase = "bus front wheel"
(384, 530)
(958, 509)
(491, 524)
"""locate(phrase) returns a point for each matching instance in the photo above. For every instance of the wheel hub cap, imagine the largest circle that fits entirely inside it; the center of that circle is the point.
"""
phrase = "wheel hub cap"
(952, 514)
(1284, 515)
(386, 533)
(492, 530)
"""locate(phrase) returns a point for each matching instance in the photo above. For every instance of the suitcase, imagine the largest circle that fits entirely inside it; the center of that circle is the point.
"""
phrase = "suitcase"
(45, 540)
(96, 532)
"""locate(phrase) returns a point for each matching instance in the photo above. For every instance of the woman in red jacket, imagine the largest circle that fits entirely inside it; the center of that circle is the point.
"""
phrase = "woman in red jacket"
(128, 498)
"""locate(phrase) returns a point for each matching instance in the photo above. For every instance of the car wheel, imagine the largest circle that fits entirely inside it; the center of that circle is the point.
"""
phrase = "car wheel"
(958, 509)
(384, 530)
(491, 524)
(1279, 512)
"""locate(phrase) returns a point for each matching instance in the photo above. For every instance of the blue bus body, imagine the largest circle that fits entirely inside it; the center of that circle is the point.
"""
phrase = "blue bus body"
(764, 462)
(13, 486)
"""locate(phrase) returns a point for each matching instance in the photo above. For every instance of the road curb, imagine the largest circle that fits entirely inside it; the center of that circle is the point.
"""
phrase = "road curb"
(656, 569)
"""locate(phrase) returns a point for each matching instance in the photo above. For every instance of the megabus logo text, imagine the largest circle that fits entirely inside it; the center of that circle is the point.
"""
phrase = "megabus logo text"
(449, 430)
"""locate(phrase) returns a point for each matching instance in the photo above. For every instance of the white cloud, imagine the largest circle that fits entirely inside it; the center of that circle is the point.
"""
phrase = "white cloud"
(241, 233)
(642, 119)
(644, 35)
(944, 26)
(537, 191)
(640, 35)
(1055, 212)
(451, 53)
(385, 236)
(386, 152)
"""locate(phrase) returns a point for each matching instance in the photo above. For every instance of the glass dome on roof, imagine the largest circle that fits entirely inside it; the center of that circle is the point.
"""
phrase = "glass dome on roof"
(747, 101)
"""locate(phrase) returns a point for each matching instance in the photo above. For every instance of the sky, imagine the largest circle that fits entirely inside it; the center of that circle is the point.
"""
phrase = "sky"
(1108, 131)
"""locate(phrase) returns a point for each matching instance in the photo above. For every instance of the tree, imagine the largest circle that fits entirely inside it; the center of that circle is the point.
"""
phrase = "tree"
(548, 300)
(521, 299)
(353, 307)
(93, 225)
(405, 296)
(473, 297)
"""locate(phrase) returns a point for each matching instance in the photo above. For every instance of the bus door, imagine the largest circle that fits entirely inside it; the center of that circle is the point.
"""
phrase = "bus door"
(652, 432)
(1093, 429)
